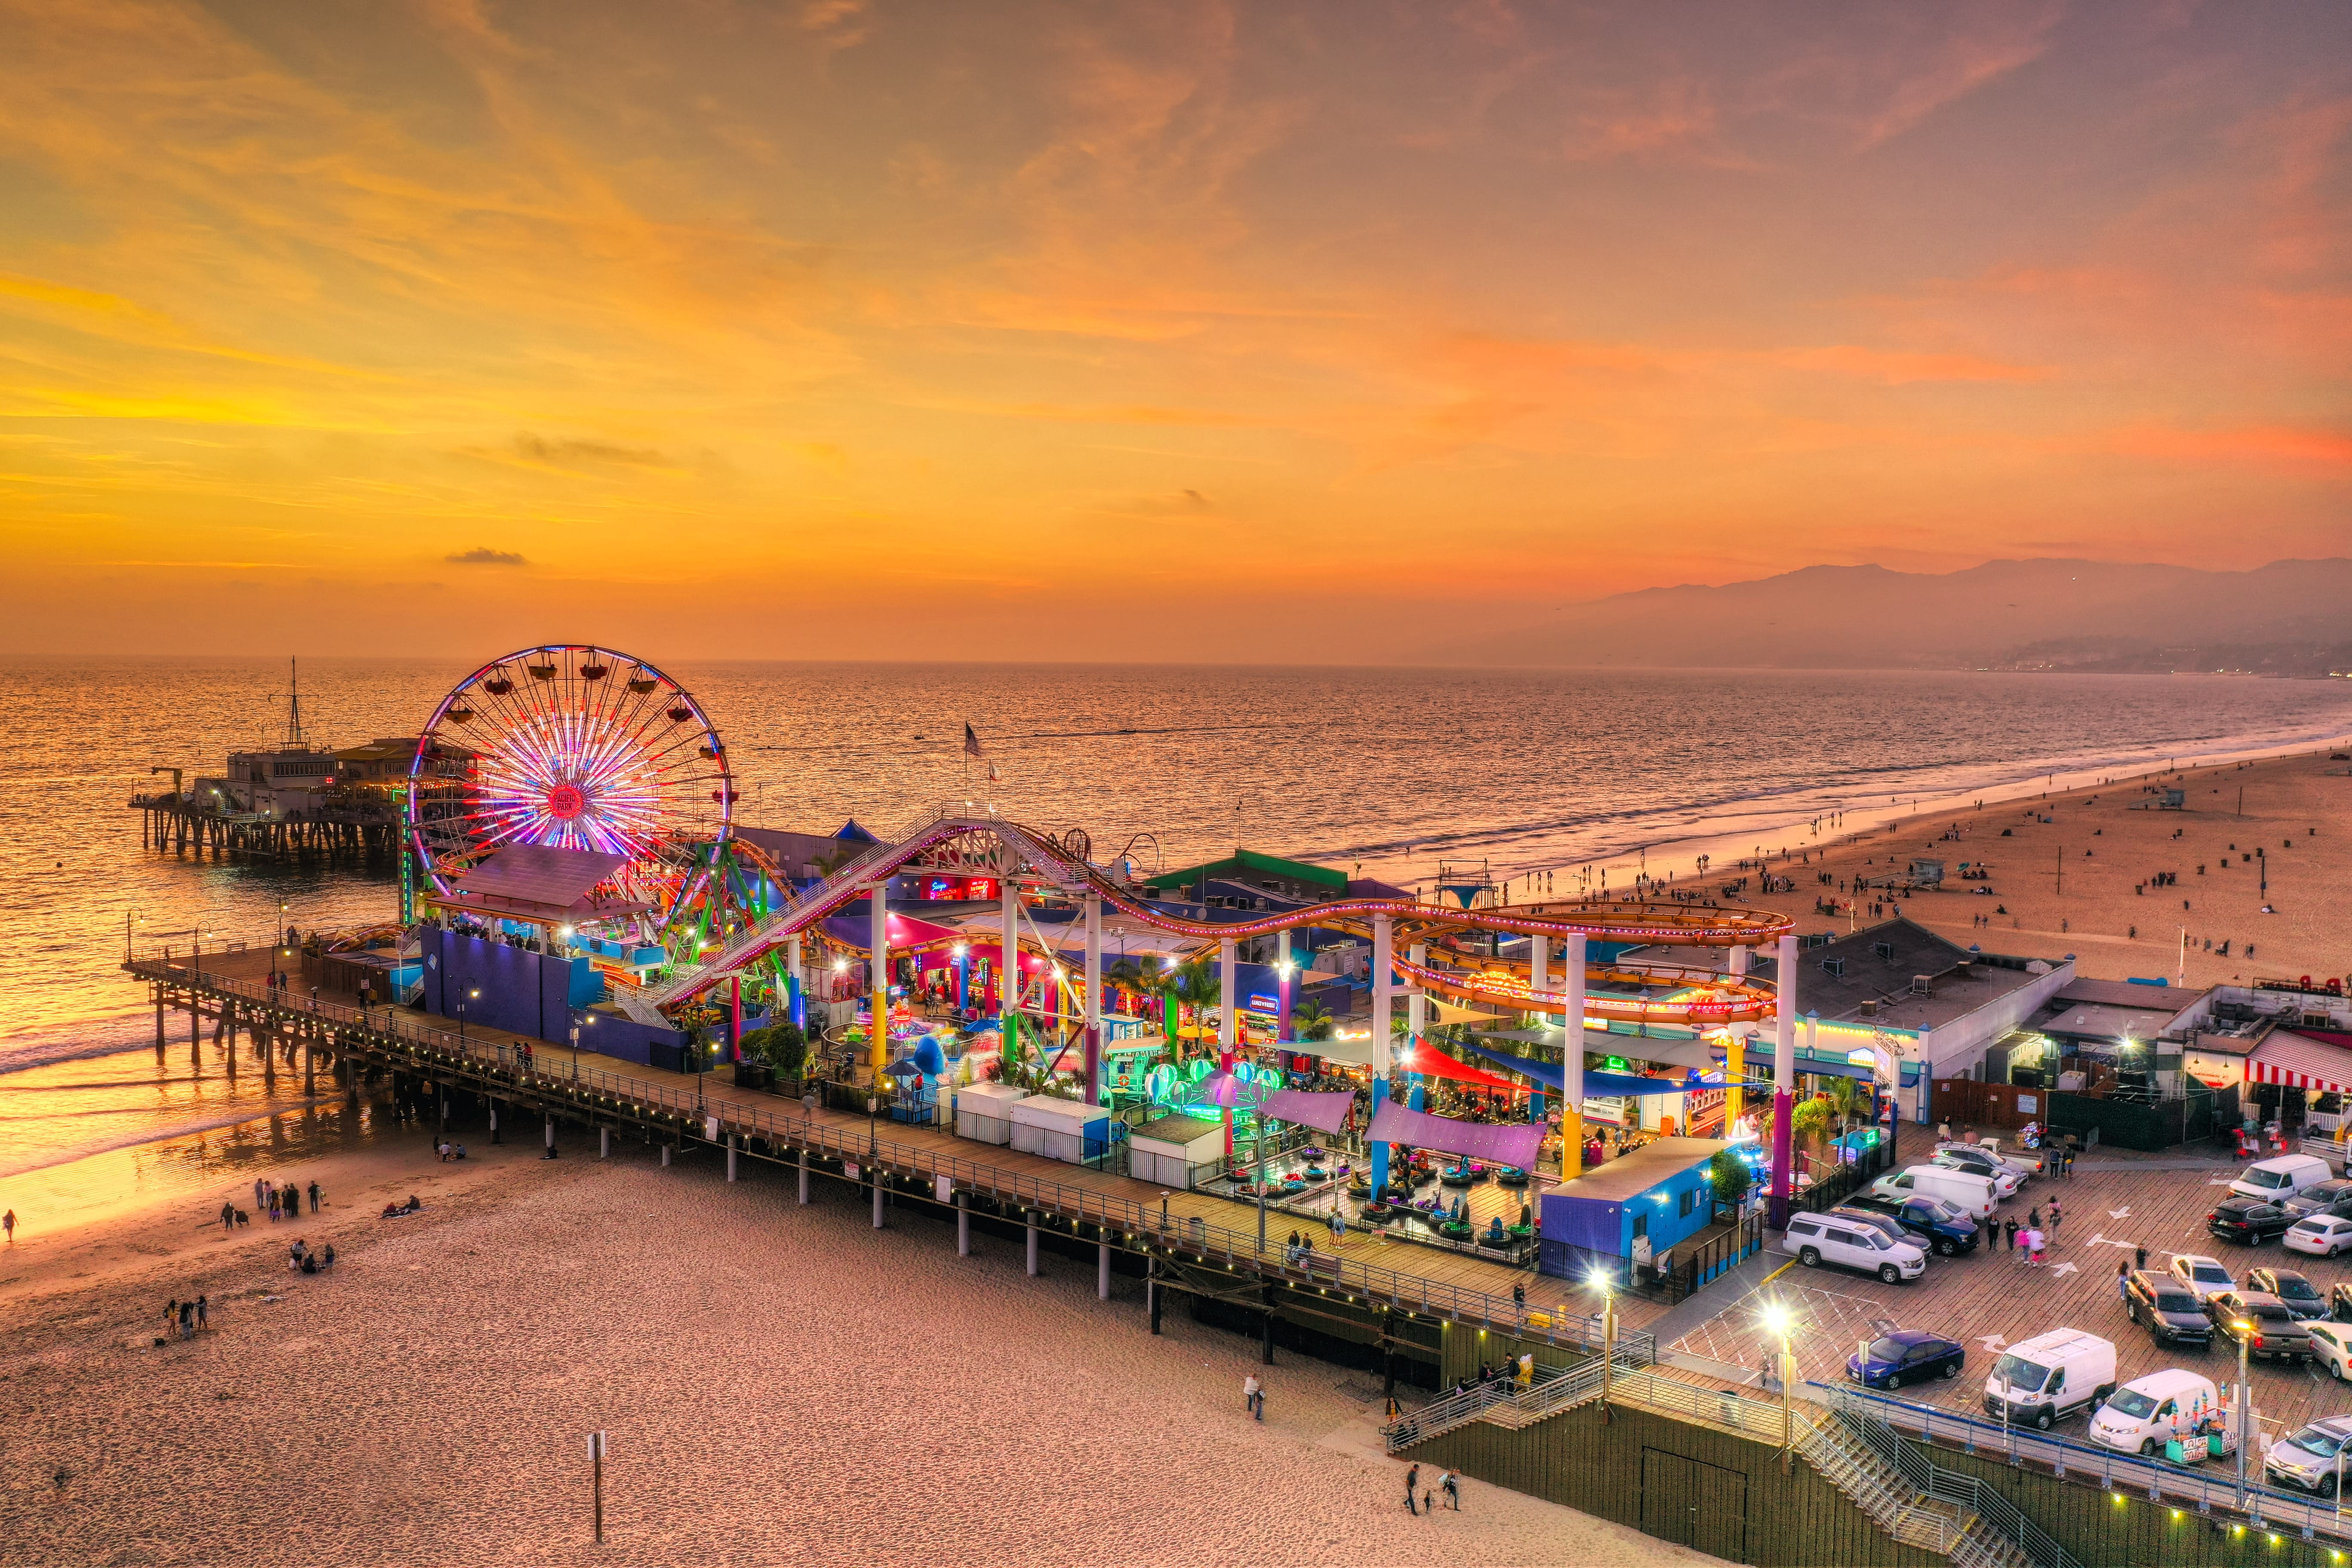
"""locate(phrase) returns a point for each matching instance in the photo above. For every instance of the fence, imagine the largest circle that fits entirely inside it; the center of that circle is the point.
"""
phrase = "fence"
(1924, 1475)
(593, 1092)
(1551, 1391)
(2158, 1480)
(1843, 1181)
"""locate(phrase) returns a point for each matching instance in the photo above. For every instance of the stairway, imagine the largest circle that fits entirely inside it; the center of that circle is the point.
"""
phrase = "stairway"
(1909, 1516)
(1981, 1546)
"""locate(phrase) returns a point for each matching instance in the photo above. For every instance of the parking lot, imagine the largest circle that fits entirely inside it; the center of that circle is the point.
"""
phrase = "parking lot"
(1993, 1298)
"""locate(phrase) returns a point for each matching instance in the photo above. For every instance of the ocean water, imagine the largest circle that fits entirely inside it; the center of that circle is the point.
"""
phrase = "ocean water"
(1388, 773)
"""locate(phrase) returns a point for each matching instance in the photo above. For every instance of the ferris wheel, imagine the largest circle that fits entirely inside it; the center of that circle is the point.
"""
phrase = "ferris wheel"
(574, 747)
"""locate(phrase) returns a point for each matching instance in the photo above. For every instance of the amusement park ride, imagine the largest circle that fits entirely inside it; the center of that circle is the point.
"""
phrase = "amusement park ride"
(604, 788)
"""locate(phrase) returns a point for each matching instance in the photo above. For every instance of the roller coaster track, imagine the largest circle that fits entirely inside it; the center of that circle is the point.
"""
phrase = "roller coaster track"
(1411, 920)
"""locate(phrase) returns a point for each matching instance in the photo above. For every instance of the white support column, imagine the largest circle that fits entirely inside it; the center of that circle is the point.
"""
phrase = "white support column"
(1008, 976)
(878, 1198)
(1784, 1017)
(1090, 1015)
(1383, 992)
(1538, 963)
(665, 1157)
(793, 968)
(1416, 1006)
(1571, 1110)
(1229, 1008)
(878, 949)
(1032, 1219)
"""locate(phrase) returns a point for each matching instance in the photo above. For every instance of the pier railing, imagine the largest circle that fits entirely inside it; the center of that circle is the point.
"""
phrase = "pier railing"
(552, 1072)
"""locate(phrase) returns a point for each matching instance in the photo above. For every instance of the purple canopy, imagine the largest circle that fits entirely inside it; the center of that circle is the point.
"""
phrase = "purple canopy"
(1323, 1112)
(1507, 1144)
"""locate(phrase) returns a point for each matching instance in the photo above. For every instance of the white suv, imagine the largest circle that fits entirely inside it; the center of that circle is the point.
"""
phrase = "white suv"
(1817, 1239)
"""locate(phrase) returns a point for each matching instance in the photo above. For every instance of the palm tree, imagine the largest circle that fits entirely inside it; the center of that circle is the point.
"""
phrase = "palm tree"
(1845, 1099)
(1310, 1020)
(1128, 976)
(1196, 984)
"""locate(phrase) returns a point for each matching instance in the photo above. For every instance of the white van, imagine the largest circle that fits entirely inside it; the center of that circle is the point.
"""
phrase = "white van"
(2050, 1376)
(2281, 1177)
(2149, 1412)
(1973, 1195)
(1819, 1238)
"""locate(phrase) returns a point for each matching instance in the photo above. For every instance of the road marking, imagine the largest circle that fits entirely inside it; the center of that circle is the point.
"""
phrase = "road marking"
(1776, 1273)
(2102, 1239)
(2062, 1268)
(1991, 1341)
(2123, 1213)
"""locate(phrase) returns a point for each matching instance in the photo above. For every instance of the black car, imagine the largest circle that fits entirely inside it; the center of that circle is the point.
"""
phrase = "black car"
(2333, 1198)
(2301, 1296)
(2167, 1308)
(2270, 1330)
(1931, 1223)
(2249, 1222)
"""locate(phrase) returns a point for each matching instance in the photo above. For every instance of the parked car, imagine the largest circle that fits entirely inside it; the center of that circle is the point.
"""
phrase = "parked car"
(2005, 1182)
(1971, 1194)
(1985, 1162)
(2249, 1222)
(2301, 1296)
(2332, 1197)
(2320, 1234)
(2146, 1413)
(1906, 1355)
(2331, 1347)
(2168, 1308)
(2280, 1177)
(2202, 1274)
(1931, 1222)
(1886, 1225)
(2050, 1376)
(1817, 1239)
(2308, 1460)
(2262, 1322)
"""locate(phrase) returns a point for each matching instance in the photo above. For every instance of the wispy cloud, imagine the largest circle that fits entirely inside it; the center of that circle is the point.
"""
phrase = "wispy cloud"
(483, 555)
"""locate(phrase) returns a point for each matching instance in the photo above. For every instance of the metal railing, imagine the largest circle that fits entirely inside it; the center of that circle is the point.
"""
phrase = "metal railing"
(2158, 1480)
(552, 1073)
(1859, 1416)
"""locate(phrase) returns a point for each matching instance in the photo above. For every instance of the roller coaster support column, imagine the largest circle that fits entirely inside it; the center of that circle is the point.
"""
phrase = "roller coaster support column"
(1090, 1018)
(878, 946)
(1229, 1017)
(1539, 979)
(795, 985)
(1383, 992)
(1571, 1061)
(1416, 1006)
(1281, 969)
(1008, 970)
(1735, 1056)
(1784, 1078)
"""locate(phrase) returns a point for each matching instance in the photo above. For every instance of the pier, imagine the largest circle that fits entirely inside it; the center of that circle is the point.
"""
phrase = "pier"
(173, 823)
(1452, 1312)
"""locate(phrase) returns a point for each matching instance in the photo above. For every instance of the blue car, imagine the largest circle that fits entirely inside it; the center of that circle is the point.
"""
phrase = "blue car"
(1906, 1355)
(1933, 1223)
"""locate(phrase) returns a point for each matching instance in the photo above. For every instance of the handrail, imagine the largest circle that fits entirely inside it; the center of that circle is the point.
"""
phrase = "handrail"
(512, 1066)
(2156, 1479)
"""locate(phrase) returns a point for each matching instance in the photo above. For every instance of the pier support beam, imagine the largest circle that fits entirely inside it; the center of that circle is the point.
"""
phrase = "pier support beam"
(604, 1143)
(494, 1120)
(1266, 1328)
(309, 1067)
(733, 1141)
(1152, 1290)
(804, 1195)
(1102, 1271)
(159, 1017)
(963, 1226)
(665, 1157)
(1030, 1218)
(878, 1200)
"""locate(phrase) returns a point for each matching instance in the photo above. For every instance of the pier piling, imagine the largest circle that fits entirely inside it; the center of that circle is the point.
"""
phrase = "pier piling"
(732, 1140)
(604, 1143)
(1030, 1219)
(804, 1195)
(551, 1129)
(1102, 1271)
(665, 1157)
(878, 1200)
(1152, 1290)
(963, 1226)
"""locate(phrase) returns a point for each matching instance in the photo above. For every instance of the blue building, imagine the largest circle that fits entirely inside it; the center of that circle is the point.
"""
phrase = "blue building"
(1661, 1194)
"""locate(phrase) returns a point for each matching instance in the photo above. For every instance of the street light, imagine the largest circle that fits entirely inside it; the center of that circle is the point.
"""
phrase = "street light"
(1608, 1334)
(1777, 1322)
(461, 1014)
(2242, 1331)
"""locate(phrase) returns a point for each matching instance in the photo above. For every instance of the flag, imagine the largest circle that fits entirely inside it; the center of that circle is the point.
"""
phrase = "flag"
(970, 741)
(992, 773)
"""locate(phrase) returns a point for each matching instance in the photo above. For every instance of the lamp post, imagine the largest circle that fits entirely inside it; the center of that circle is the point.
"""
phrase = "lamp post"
(1608, 1336)
(461, 1014)
(2242, 1330)
(1777, 1322)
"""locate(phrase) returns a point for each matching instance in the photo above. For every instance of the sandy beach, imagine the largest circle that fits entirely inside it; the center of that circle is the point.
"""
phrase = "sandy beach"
(2108, 846)
(780, 1384)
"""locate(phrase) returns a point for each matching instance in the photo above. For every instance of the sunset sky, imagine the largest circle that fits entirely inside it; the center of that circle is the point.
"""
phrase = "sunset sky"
(848, 328)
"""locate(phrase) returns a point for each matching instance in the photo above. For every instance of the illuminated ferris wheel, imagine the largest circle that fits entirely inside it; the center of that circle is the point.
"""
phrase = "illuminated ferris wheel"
(574, 747)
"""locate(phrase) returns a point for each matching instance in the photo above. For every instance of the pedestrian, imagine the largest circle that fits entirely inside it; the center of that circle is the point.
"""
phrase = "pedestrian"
(2033, 1249)
(1452, 1490)
(1250, 1394)
(2009, 1228)
(203, 1311)
(187, 1320)
(2139, 1257)
(2056, 1216)
(257, 1192)
(326, 1258)
(1411, 1488)
(8, 1223)
(2123, 1281)
(314, 1197)
(2034, 1218)
(171, 1315)
(228, 1216)
(273, 1206)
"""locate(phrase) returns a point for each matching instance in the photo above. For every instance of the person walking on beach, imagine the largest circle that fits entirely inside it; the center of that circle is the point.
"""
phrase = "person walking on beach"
(187, 1320)
(1452, 1490)
(8, 1223)
(228, 1216)
(260, 1191)
(204, 1312)
(1250, 1393)
(314, 1196)
(1412, 1489)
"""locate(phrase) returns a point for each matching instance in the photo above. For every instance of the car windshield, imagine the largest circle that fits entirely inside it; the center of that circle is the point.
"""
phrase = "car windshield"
(2208, 1274)
(2258, 1177)
(2176, 1301)
(2269, 1310)
(1939, 1209)
(2134, 1403)
(2020, 1373)
(2313, 1440)
(2297, 1290)
(1887, 1350)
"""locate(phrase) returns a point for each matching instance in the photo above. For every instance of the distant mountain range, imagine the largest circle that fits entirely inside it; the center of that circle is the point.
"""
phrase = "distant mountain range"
(2290, 618)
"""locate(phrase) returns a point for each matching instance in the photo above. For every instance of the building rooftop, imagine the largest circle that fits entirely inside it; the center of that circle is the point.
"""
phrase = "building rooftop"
(1630, 1175)
(1879, 964)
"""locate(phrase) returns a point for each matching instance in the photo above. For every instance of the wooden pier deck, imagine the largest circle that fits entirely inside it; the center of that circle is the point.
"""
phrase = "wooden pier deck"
(919, 1164)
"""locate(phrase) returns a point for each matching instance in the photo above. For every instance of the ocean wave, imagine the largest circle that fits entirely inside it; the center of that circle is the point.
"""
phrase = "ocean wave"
(46, 1158)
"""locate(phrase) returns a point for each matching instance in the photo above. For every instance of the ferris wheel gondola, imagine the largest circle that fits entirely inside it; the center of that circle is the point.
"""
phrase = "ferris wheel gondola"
(574, 747)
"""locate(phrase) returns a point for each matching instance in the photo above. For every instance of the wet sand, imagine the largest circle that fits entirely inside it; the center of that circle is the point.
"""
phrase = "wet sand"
(780, 1384)
(2107, 848)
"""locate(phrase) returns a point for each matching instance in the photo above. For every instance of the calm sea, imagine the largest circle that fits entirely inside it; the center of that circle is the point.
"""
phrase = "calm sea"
(1394, 771)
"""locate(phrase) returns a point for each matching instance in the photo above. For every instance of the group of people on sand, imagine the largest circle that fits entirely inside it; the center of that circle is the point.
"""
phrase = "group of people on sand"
(394, 1211)
(184, 1318)
(300, 1258)
(277, 1199)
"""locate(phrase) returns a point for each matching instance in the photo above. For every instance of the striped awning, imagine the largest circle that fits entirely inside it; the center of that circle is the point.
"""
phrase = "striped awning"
(2295, 1061)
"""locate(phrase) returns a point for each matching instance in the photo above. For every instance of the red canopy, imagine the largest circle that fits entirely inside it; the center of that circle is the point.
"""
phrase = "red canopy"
(1422, 1057)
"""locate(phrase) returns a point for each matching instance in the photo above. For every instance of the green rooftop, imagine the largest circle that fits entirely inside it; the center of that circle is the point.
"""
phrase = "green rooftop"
(1242, 861)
